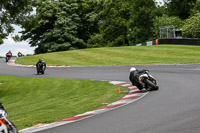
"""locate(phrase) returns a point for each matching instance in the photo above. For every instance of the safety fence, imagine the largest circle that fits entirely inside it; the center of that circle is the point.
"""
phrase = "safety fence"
(181, 41)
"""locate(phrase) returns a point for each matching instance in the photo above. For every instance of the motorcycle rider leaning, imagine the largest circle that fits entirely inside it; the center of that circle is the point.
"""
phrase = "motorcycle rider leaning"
(42, 62)
(134, 77)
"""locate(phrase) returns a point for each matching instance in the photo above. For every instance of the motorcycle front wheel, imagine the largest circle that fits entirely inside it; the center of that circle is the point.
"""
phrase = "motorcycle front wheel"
(6, 59)
(152, 85)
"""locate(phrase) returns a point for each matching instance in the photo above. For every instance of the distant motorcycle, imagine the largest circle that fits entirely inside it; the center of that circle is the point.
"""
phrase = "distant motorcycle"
(19, 54)
(8, 57)
(40, 67)
(148, 81)
(7, 126)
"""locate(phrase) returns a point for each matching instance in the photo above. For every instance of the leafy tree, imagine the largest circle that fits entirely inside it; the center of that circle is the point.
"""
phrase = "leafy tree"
(96, 40)
(196, 8)
(12, 12)
(159, 11)
(191, 28)
(166, 21)
(89, 15)
(141, 21)
(55, 26)
(179, 8)
(113, 24)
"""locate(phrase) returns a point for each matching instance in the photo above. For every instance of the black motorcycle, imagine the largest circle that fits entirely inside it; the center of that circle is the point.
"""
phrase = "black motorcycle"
(148, 81)
(7, 126)
(40, 67)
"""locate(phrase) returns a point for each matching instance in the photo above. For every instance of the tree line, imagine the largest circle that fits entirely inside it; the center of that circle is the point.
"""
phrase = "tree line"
(59, 25)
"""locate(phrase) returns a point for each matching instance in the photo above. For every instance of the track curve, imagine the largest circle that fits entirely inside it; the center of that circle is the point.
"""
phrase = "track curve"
(175, 108)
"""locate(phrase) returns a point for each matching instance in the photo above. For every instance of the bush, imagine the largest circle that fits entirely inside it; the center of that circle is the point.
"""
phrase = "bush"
(191, 28)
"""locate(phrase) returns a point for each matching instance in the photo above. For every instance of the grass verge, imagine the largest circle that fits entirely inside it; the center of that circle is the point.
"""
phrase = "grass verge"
(128, 55)
(29, 101)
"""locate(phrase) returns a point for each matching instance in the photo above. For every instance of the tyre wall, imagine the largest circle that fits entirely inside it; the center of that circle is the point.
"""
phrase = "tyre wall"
(185, 41)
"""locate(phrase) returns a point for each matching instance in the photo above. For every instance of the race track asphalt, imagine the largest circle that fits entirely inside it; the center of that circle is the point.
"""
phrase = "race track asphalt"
(175, 108)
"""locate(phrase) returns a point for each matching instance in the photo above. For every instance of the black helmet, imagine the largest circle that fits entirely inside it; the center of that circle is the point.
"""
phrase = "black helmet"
(40, 60)
(1, 106)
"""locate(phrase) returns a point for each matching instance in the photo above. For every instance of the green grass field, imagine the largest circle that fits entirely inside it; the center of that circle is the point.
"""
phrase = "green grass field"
(30, 101)
(128, 55)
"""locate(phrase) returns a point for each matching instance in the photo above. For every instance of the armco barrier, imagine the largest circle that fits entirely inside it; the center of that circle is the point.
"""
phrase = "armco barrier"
(183, 41)
(149, 43)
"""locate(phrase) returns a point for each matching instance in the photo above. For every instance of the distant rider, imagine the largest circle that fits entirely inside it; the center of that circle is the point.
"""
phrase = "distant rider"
(134, 77)
(19, 54)
(41, 61)
(9, 54)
